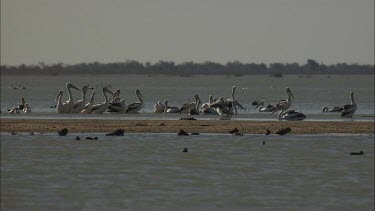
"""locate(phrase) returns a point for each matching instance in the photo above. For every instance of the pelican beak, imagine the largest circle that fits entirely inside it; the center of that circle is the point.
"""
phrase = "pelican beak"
(291, 94)
(74, 87)
(278, 108)
(238, 104)
(257, 106)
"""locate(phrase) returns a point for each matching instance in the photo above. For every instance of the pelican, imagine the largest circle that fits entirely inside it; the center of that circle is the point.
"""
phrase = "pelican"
(80, 104)
(221, 108)
(60, 108)
(14, 110)
(269, 107)
(135, 107)
(68, 105)
(288, 115)
(27, 108)
(349, 109)
(88, 106)
(168, 109)
(334, 109)
(195, 111)
(210, 100)
(101, 107)
(117, 105)
(286, 102)
(190, 105)
(232, 104)
(159, 108)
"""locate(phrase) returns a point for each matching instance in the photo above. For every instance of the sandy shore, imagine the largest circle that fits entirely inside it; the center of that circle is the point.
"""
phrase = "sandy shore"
(173, 126)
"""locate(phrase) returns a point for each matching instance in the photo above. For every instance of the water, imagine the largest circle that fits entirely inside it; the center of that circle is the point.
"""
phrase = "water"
(221, 172)
(311, 93)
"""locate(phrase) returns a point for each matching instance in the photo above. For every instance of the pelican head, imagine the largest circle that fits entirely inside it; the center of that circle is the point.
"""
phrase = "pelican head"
(287, 89)
(85, 88)
(233, 90)
(138, 93)
(59, 94)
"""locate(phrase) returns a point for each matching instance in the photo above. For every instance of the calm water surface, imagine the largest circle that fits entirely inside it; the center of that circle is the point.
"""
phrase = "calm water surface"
(221, 172)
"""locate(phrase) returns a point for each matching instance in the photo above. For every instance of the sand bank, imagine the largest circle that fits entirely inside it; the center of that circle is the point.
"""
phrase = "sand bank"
(173, 126)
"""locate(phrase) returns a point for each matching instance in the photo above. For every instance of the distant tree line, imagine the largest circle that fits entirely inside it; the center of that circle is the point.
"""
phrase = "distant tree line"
(189, 68)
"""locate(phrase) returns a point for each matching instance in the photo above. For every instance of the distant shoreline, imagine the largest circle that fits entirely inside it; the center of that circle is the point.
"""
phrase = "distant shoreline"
(190, 126)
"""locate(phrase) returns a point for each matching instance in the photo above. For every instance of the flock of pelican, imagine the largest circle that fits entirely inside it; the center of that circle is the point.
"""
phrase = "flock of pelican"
(225, 108)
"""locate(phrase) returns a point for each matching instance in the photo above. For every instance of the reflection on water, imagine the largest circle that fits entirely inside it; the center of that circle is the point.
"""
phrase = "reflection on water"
(221, 172)
(311, 94)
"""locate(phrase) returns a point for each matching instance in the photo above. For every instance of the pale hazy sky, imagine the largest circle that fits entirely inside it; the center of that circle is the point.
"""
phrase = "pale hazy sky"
(74, 31)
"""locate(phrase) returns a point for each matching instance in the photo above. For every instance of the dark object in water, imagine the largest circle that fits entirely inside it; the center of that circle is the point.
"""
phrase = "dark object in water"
(118, 132)
(32, 133)
(194, 134)
(238, 134)
(357, 153)
(14, 133)
(264, 142)
(268, 132)
(235, 130)
(89, 138)
(53, 106)
(187, 118)
(284, 131)
(185, 150)
(277, 75)
(182, 133)
(63, 132)
(77, 138)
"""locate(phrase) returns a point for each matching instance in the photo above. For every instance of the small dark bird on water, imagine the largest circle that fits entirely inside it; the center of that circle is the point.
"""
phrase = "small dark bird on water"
(63, 132)
(235, 130)
(357, 153)
(182, 133)
(32, 133)
(284, 131)
(268, 132)
(77, 138)
(185, 150)
(194, 134)
(118, 132)
(264, 142)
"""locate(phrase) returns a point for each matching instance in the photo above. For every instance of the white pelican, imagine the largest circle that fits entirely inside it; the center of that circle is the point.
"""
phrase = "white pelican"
(221, 108)
(27, 108)
(101, 107)
(232, 104)
(190, 105)
(88, 106)
(168, 109)
(135, 107)
(334, 109)
(210, 100)
(286, 102)
(269, 107)
(68, 105)
(288, 115)
(195, 111)
(159, 108)
(349, 109)
(60, 108)
(80, 104)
